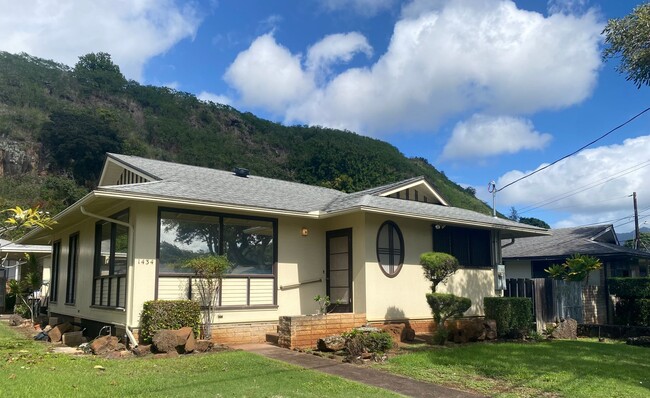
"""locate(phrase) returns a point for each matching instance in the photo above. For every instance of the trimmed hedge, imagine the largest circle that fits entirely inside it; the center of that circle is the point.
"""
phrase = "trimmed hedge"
(168, 314)
(633, 312)
(629, 287)
(444, 306)
(513, 315)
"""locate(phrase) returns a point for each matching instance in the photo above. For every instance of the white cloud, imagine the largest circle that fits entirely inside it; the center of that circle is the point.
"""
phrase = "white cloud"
(444, 59)
(340, 47)
(132, 32)
(216, 98)
(592, 186)
(484, 136)
(269, 76)
(367, 8)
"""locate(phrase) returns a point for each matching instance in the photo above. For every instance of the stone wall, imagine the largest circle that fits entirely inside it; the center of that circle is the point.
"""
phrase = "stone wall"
(305, 330)
(595, 307)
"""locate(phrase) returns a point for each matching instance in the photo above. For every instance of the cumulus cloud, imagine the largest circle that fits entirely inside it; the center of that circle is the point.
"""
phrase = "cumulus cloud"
(367, 8)
(132, 32)
(216, 98)
(483, 136)
(269, 76)
(593, 186)
(340, 47)
(444, 59)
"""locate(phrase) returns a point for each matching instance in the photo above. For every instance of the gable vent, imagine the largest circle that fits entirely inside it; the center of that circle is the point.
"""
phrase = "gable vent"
(241, 172)
(129, 177)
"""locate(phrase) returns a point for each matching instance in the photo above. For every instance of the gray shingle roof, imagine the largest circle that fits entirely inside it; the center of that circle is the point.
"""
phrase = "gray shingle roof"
(565, 242)
(177, 181)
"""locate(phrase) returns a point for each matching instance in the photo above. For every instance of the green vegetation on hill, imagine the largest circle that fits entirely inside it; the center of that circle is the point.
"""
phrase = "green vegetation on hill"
(67, 118)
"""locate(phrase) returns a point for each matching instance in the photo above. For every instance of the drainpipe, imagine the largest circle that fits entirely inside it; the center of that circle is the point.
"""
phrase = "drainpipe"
(130, 271)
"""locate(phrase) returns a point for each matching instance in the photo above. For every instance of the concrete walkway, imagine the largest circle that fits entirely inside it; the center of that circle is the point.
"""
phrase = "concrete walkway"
(362, 374)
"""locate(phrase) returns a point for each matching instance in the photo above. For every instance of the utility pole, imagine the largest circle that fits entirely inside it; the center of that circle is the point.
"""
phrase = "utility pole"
(636, 223)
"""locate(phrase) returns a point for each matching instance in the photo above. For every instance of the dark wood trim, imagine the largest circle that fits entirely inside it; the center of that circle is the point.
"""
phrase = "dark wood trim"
(391, 248)
(347, 232)
(56, 266)
(73, 265)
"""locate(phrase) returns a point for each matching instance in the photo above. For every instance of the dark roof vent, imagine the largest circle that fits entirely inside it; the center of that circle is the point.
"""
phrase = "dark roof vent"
(241, 172)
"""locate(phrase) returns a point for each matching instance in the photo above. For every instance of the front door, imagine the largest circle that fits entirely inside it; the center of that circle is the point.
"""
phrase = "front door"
(339, 270)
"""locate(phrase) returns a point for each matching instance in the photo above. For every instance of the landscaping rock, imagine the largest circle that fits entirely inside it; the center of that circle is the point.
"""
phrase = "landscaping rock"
(566, 329)
(203, 345)
(331, 343)
(72, 339)
(103, 345)
(471, 330)
(142, 350)
(490, 329)
(187, 335)
(15, 320)
(400, 332)
(57, 331)
(643, 341)
(167, 341)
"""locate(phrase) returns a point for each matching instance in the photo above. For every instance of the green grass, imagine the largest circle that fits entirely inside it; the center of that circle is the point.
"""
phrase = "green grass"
(582, 368)
(27, 369)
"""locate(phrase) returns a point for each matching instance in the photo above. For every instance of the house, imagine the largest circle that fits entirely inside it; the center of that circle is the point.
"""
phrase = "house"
(124, 243)
(529, 257)
(12, 257)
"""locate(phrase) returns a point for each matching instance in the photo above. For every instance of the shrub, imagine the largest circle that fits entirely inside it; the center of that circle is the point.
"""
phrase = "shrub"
(629, 287)
(575, 269)
(445, 306)
(513, 315)
(438, 267)
(168, 314)
(632, 311)
(360, 341)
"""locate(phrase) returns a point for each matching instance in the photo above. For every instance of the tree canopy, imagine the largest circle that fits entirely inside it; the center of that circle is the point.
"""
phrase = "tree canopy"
(644, 242)
(628, 38)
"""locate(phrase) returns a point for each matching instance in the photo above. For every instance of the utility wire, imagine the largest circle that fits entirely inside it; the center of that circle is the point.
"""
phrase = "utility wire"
(574, 152)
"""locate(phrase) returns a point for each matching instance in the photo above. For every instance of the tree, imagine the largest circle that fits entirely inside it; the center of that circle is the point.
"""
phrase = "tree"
(575, 268)
(514, 215)
(535, 222)
(629, 39)
(438, 267)
(28, 284)
(17, 220)
(644, 242)
(96, 71)
(209, 271)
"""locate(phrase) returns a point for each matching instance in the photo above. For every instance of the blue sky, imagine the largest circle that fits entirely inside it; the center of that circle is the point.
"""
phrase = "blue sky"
(483, 89)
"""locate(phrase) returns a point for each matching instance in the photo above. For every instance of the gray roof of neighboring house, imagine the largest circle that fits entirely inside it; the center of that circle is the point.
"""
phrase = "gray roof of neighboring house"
(177, 181)
(564, 242)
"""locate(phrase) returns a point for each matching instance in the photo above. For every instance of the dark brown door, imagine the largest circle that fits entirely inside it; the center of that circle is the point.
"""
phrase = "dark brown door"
(339, 270)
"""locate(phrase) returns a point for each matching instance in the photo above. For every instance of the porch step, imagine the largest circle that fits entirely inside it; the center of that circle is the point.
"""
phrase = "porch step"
(272, 338)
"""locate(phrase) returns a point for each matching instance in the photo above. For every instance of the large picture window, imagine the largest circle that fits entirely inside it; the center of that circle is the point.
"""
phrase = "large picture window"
(470, 246)
(111, 253)
(249, 243)
(390, 248)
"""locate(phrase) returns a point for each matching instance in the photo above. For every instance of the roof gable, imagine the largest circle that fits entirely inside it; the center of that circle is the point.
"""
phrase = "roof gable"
(117, 172)
(416, 189)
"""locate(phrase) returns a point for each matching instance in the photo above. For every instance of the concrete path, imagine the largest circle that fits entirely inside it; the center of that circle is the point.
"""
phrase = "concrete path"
(362, 374)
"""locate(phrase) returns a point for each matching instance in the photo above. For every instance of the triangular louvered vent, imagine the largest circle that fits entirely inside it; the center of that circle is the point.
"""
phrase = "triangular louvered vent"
(129, 177)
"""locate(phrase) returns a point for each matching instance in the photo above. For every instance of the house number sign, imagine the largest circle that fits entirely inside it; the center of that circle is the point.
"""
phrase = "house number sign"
(145, 261)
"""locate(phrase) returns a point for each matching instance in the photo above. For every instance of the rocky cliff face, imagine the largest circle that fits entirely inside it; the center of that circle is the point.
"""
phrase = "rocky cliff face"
(17, 158)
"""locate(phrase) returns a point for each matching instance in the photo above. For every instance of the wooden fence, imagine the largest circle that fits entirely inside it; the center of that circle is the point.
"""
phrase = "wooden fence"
(552, 300)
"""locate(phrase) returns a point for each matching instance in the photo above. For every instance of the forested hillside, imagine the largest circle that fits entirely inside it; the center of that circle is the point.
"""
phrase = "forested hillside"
(57, 123)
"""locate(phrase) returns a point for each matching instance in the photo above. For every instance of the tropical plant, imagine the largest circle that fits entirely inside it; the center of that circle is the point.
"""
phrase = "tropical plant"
(29, 283)
(18, 220)
(575, 268)
(209, 271)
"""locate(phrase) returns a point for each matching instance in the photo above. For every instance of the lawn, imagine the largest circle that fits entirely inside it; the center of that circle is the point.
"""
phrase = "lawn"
(569, 368)
(28, 370)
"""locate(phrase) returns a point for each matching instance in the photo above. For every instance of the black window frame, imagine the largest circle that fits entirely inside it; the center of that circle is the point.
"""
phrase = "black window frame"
(394, 269)
(56, 265)
(464, 244)
(73, 262)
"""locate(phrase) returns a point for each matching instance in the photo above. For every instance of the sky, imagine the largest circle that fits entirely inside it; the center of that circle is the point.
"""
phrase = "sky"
(485, 90)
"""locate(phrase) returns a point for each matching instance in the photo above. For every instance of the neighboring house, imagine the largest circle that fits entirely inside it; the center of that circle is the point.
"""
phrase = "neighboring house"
(124, 244)
(529, 257)
(12, 256)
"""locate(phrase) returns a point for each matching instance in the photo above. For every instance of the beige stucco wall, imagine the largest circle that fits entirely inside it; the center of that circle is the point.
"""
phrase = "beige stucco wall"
(404, 296)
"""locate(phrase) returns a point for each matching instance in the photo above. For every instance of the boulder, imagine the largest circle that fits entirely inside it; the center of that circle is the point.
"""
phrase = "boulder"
(400, 332)
(471, 330)
(104, 344)
(203, 345)
(331, 343)
(643, 341)
(142, 350)
(490, 329)
(72, 339)
(15, 320)
(187, 335)
(57, 331)
(167, 341)
(566, 329)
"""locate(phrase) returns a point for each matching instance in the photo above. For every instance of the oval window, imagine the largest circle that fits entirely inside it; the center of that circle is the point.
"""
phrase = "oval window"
(390, 248)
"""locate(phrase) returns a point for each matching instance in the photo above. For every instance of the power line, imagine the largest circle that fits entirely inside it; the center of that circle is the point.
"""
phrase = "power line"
(574, 152)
